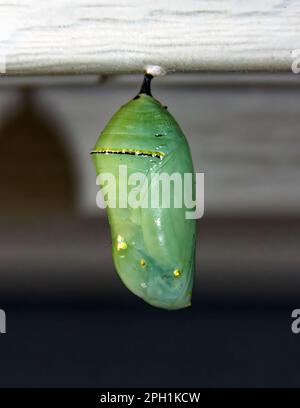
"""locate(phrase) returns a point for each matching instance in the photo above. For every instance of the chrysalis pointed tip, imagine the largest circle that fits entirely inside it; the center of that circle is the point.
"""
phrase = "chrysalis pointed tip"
(146, 85)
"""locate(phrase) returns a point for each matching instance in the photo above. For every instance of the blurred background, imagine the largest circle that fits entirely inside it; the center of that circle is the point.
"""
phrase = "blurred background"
(70, 321)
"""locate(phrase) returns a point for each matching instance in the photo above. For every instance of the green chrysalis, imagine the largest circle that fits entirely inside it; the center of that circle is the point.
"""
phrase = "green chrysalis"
(153, 248)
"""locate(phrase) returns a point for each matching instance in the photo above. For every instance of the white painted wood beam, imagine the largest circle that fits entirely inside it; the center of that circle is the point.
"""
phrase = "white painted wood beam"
(123, 36)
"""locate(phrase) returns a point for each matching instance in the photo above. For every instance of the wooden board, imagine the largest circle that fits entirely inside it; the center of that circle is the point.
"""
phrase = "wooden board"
(97, 36)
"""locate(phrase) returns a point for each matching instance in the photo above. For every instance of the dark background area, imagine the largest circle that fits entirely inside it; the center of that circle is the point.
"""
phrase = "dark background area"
(220, 341)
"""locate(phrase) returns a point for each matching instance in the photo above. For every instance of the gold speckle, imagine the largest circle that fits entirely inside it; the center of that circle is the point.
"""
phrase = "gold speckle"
(121, 244)
(138, 152)
(177, 273)
(143, 263)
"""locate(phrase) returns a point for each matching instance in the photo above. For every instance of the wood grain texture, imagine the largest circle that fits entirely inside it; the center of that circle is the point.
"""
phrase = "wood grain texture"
(123, 36)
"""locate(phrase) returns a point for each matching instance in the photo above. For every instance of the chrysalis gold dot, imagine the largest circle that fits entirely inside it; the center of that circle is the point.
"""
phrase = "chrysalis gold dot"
(177, 273)
(142, 263)
(121, 244)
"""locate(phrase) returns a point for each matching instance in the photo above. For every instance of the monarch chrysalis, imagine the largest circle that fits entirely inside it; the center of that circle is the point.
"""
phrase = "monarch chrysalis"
(153, 248)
